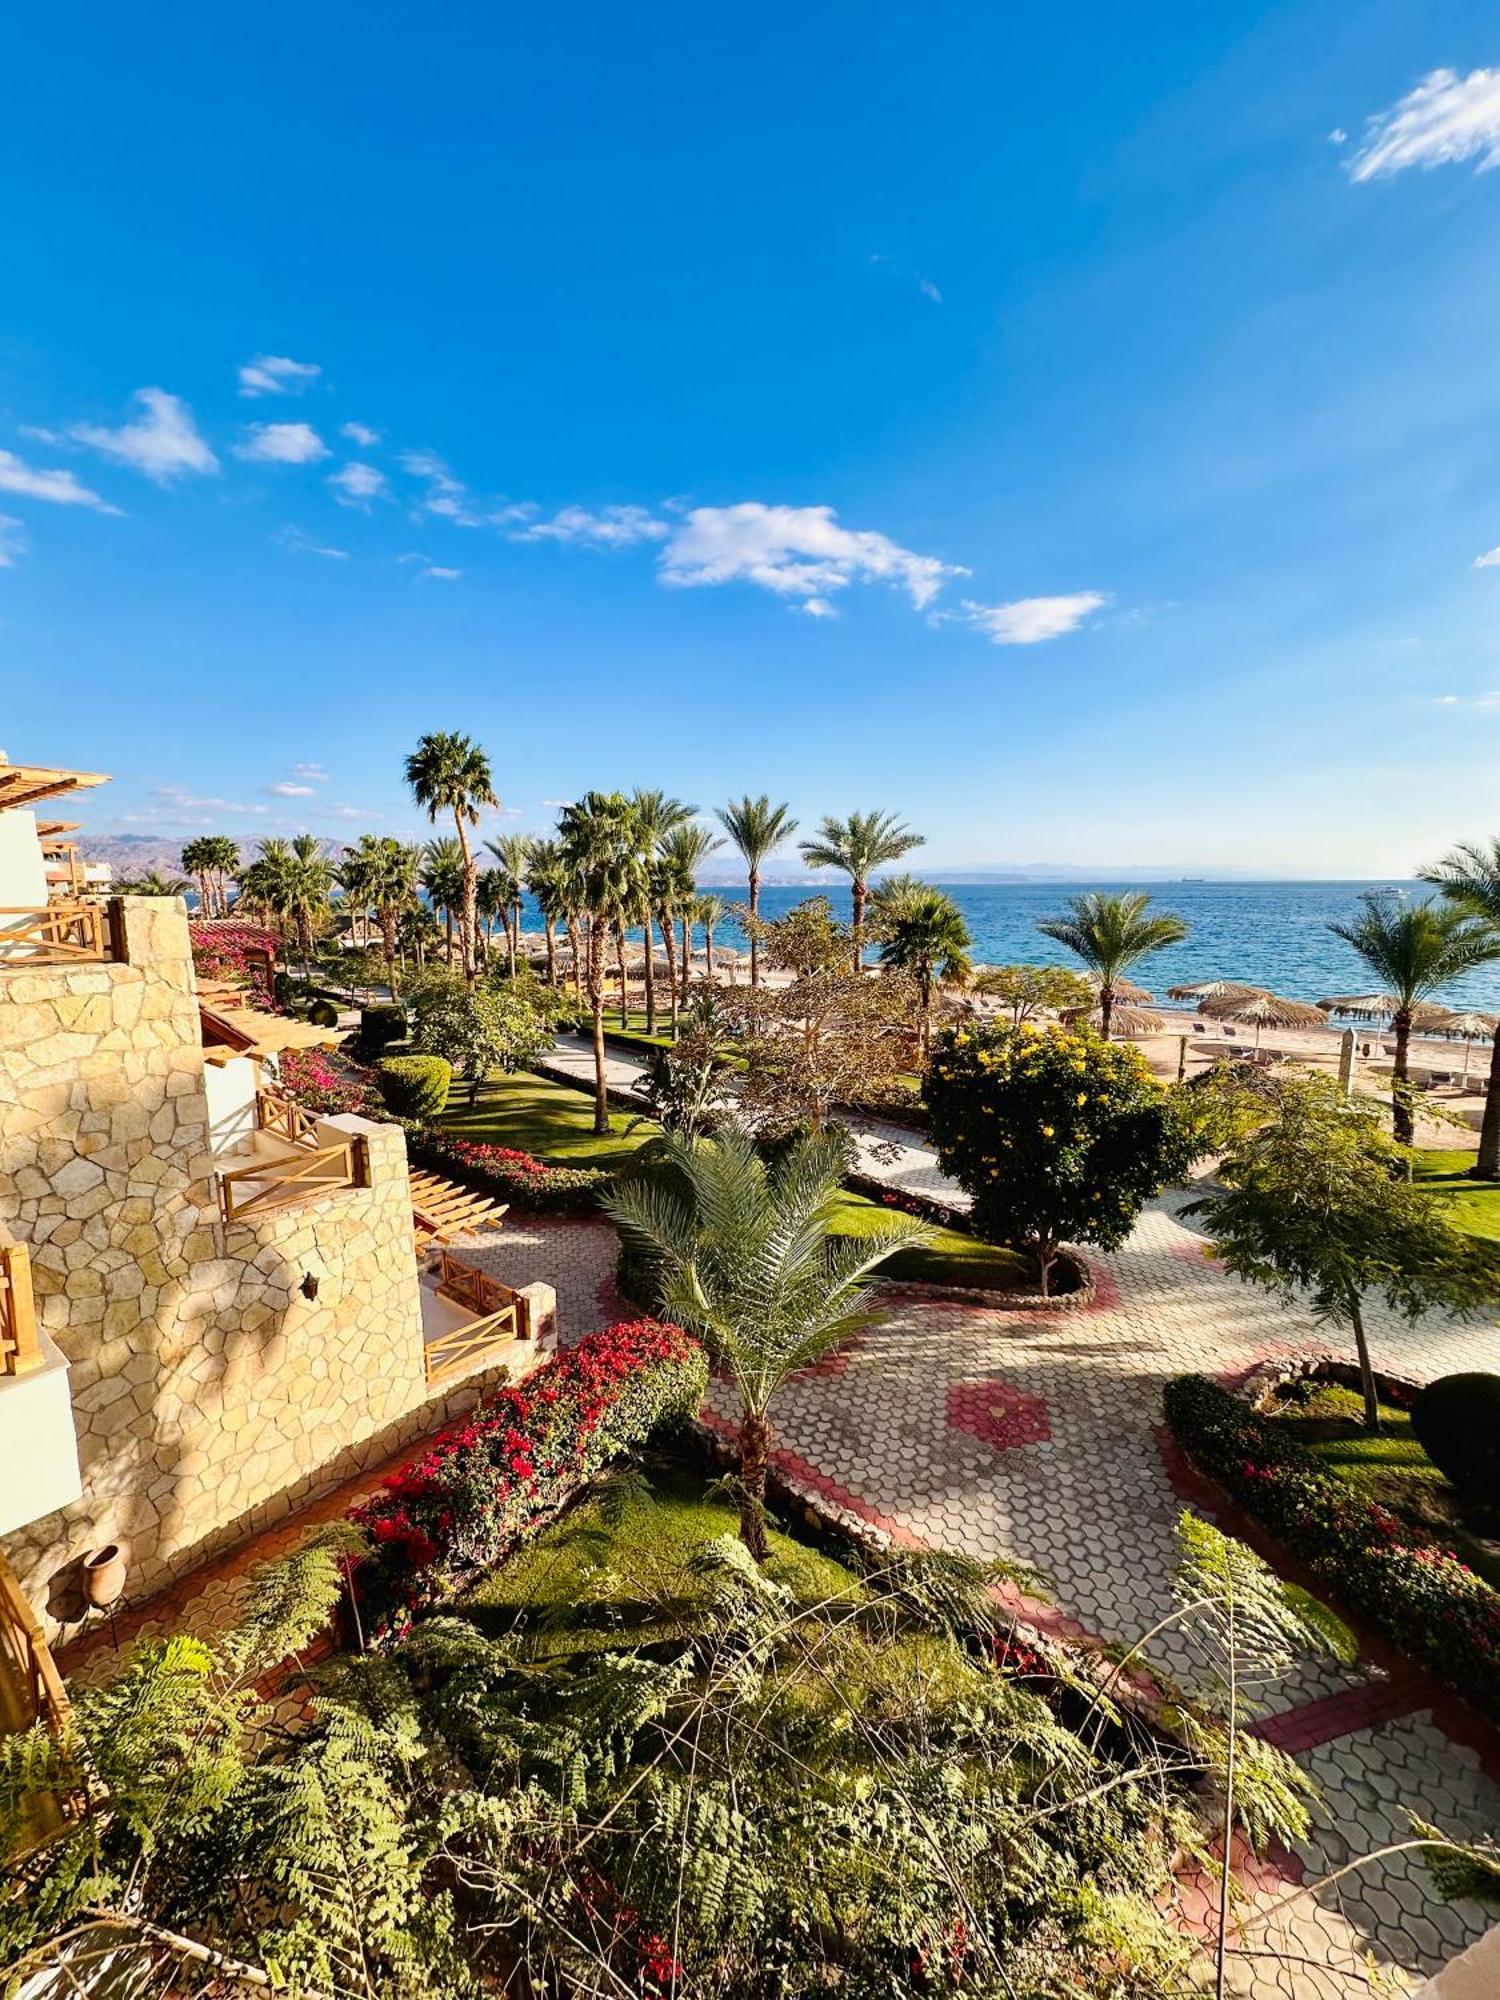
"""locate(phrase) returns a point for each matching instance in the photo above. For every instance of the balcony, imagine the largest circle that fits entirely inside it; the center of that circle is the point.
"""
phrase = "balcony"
(38, 1448)
(266, 1180)
(62, 933)
(470, 1320)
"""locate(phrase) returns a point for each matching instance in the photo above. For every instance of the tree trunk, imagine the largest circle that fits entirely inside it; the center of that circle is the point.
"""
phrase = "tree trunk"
(388, 947)
(1366, 1371)
(754, 941)
(466, 919)
(447, 937)
(1487, 1166)
(550, 931)
(708, 951)
(860, 893)
(668, 938)
(624, 976)
(512, 933)
(924, 982)
(1046, 1257)
(650, 978)
(1106, 1009)
(572, 924)
(596, 1001)
(687, 955)
(1401, 1119)
(755, 1459)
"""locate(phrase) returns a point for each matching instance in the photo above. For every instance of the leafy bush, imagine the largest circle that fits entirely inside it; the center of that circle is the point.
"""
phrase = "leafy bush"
(414, 1086)
(490, 1028)
(379, 1027)
(319, 1084)
(1457, 1422)
(323, 1014)
(1423, 1598)
(486, 1485)
(519, 1178)
(1058, 1137)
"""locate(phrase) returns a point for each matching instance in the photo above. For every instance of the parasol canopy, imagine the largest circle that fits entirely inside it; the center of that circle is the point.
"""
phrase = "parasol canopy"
(1127, 1022)
(1125, 989)
(1473, 1028)
(1266, 1010)
(1213, 989)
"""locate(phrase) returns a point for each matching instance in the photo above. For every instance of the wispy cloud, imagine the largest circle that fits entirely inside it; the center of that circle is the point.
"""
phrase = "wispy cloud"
(357, 484)
(1444, 119)
(445, 496)
(285, 789)
(54, 484)
(359, 434)
(12, 541)
(1489, 560)
(277, 375)
(180, 806)
(797, 552)
(609, 527)
(1491, 699)
(345, 812)
(1027, 621)
(161, 443)
(296, 543)
(314, 773)
(439, 574)
(282, 444)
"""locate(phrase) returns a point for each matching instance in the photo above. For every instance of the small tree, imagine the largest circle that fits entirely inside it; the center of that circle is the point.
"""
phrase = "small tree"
(1317, 1200)
(1028, 990)
(1058, 1137)
(488, 1028)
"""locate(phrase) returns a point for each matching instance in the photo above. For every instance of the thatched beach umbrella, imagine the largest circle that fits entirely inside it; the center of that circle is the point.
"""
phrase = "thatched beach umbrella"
(1360, 1006)
(1473, 1028)
(1213, 989)
(1125, 989)
(1266, 1010)
(1129, 1023)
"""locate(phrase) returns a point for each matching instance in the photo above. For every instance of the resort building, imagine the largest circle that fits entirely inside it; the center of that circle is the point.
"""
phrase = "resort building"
(212, 1304)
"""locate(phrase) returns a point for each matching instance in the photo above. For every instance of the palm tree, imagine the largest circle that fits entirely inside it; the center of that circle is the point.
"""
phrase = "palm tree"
(153, 883)
(513, 852)
(757, 829)
(442, 877)
(450, 773)
(685, 850)
(601, 846)
(922, 932)
(656, 816)
(492, 899)
(1110, 933)
(857, 846)
(223, 862)
(748, 1261)
(1413, 949)
(197, 859)
(352, 876)
(547, 880)
(1469, 878)
(708, 911)
(387, 874)
(309, 880)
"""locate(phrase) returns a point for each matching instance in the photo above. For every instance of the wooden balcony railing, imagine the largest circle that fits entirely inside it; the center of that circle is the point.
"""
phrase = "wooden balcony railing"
(20, 1349)
(502, 1318)
(31, 1691)
(63, 933)
(276, 1180)
(284, 1118)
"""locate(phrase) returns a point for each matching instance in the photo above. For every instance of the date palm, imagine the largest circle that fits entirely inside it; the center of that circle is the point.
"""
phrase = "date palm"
(442, 879)
(747, 1259)
(513, 852)
(656, 815)
(1109, 933)
(709, 912)
(1469, 878)
(757, 829)
(197, 859)
(388, 876)
(547, 881)
(685, 850)
(922, 932)
(600, 840)
(448, 772)
(857, 846)
(1413, 949)
(223, 861)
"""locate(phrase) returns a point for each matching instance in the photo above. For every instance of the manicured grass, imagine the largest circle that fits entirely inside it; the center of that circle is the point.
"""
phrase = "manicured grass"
(617, 1570)
(1473, 1206)
(1389, 1466)
(556, 1123)
(951, 1258)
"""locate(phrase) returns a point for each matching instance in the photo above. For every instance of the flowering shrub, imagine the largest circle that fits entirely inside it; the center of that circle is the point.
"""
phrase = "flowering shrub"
(324, 1086)
(242, 952)
(519, 1178)
(1420, 1596)
(492, 1479)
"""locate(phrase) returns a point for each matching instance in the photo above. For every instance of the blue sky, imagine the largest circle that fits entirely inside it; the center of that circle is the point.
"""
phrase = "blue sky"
(1050, 428)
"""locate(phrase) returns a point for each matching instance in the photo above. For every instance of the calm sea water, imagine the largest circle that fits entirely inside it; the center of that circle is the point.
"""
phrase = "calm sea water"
(1267, 933)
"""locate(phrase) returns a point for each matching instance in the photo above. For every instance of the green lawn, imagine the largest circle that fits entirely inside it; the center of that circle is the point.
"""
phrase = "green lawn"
(616, 1570)
(551, 1120)
(1474, 1206)
(952, 1258)
(1390, 1467)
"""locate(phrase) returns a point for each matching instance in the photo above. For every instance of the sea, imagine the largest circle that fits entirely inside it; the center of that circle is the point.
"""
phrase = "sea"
(1273, 934)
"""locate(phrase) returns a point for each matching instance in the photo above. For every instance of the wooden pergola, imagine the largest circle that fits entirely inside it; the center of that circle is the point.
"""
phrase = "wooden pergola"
(442, 1209)
(29, 784)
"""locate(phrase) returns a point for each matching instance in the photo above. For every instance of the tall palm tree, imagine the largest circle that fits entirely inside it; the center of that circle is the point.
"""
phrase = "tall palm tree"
(857, 846)
(388, 872)
(1469, 878)
(1110, 933)
(197, 859)
(709, 912)
(656, 816)
(442, 877)
(309, 881)
(492, 899)
(922, 932)
(601, 846)
(223, 860)
(513, 852)
(685, 850)
(757, 829)
(352, 875)
(547, 880)
(1414, 949)
(747, 1260)
(153, 883)
(450, 773)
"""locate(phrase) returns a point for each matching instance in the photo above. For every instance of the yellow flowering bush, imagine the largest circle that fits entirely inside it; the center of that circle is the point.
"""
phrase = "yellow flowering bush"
(1058, 1137)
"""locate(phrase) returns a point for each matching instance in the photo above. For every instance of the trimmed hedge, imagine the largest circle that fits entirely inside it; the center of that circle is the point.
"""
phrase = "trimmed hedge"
(493, 1480)
(519, 1178)
(414, 1086)
(380, 1026)
(1457, 1423)
(1421, 1597)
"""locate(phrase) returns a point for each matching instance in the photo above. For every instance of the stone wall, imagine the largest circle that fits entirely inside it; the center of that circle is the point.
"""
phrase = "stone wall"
(211, 1394)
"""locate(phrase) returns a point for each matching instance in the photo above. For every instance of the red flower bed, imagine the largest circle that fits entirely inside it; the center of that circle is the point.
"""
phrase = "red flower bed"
(327, 1087)
(241, 952)
(490, 1482)
(518, 1178)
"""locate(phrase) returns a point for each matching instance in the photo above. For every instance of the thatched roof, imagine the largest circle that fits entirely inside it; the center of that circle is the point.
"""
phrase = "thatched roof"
(1266, 1010)
(1213, 989)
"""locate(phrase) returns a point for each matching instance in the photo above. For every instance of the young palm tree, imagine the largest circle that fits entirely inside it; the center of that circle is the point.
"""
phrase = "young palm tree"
(352, 878)
(513, 852)
(922, 932)
(601, 847)
(656, 816)
(492, 899)
(709, 912)
(309, 881)
(757, 829)
(857, 846)
(546, 879)
(749, 1263)
(223, 862)
(389, 875)
(672, 889)
(1469, 878)
(1413, 949)
(685, 850)
(450, 773)
(153, 883)
(442, 877)
(1110, 933)
(197, 859)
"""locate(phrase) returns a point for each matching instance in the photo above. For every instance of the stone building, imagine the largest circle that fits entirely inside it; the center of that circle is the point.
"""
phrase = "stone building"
(210, 1304)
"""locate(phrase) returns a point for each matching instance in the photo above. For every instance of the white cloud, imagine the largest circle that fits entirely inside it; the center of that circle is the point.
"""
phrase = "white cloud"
(282, 444)
(359, 434)
(1447, 117)
(1338, 136)
(314, 772)
(1027, 621)
(929, 291)
(345, 812)
(798, 552)
(12, 541)
(1490, 700)
(162, 443)
(57, 485)
(439, 574)
(816, 607)
(179, 805)
(277, 375)
(296, 543)
(356, 484)
(610, 527)
(285, 789)
(446, 496)
(1489, 560)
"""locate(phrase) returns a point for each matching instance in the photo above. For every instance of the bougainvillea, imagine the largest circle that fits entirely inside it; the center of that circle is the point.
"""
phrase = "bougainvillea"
(1419, 1595)
(518, 1178)
(327, 1087)
(243, 953)
(492, 1479)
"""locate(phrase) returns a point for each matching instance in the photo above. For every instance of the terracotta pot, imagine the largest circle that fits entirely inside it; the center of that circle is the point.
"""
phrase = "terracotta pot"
(104, 1576)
